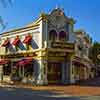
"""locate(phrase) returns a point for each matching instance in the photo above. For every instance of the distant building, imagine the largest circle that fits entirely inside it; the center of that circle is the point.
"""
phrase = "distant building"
(45, 51)
(82, 64)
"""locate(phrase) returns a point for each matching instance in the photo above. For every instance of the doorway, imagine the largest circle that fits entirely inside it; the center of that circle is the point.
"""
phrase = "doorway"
(54, 72)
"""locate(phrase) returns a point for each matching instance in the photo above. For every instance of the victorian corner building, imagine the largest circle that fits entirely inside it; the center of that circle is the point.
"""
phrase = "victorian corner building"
(46, 51)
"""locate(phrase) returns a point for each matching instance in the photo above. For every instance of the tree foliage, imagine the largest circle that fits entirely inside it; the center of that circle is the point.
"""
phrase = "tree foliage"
(94, 52)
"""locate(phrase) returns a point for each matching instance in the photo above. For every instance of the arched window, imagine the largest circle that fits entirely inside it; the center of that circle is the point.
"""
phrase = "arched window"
(52, 35)
(62, 35)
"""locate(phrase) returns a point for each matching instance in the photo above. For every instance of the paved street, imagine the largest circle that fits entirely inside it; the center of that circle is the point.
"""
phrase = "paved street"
(26, 94)
(53, 92)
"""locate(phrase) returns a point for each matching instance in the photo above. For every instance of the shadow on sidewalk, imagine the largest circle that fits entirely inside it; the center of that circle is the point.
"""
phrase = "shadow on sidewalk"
(95, 82)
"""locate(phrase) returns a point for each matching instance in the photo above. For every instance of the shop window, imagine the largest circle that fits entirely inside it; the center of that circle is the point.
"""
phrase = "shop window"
(7, 69)
(52, 35)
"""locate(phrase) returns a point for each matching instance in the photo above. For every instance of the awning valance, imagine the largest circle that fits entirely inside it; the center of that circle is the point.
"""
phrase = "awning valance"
(24, 62)
(16, 41)
(6, 43)
(27, 39)
(3, 61)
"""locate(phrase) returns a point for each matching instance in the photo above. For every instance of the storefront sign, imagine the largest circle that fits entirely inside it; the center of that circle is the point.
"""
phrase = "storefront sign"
(63, 45)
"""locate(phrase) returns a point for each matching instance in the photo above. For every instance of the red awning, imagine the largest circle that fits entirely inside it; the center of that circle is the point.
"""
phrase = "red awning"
(27, 39)
(24, 62)
(16, 41)
(2, 61)
(6, 43)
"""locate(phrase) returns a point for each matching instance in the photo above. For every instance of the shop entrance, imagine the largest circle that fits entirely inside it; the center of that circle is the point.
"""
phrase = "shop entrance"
(54, 73)
(23, 70)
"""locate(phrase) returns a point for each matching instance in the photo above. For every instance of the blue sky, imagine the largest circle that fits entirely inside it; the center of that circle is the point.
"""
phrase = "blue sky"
(23, 12)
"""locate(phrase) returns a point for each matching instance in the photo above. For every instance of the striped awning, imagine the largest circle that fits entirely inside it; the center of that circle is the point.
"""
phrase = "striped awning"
(24, 62)
(27, 39)
(6, 43)
(3, 61)
(16, 41)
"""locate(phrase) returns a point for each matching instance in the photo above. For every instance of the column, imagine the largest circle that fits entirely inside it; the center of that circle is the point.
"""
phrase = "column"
(40, 71)
(72, 70)
(45, 67)
(63, 72)
(66, 72)
(1, 72)
(72, 79)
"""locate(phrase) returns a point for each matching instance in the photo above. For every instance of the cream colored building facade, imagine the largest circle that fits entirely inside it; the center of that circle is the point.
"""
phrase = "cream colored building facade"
(42, 52)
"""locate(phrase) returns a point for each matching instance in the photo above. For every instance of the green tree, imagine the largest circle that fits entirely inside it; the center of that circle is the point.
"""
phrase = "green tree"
(94, 52)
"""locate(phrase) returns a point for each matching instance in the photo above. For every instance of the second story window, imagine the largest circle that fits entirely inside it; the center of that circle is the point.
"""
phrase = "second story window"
(62, 35)
(52, 35)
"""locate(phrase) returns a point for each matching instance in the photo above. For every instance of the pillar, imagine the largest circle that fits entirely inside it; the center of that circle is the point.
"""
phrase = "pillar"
(40, 70)
(72, 79)
(45, 67)
(66, 72)
(1, 72)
